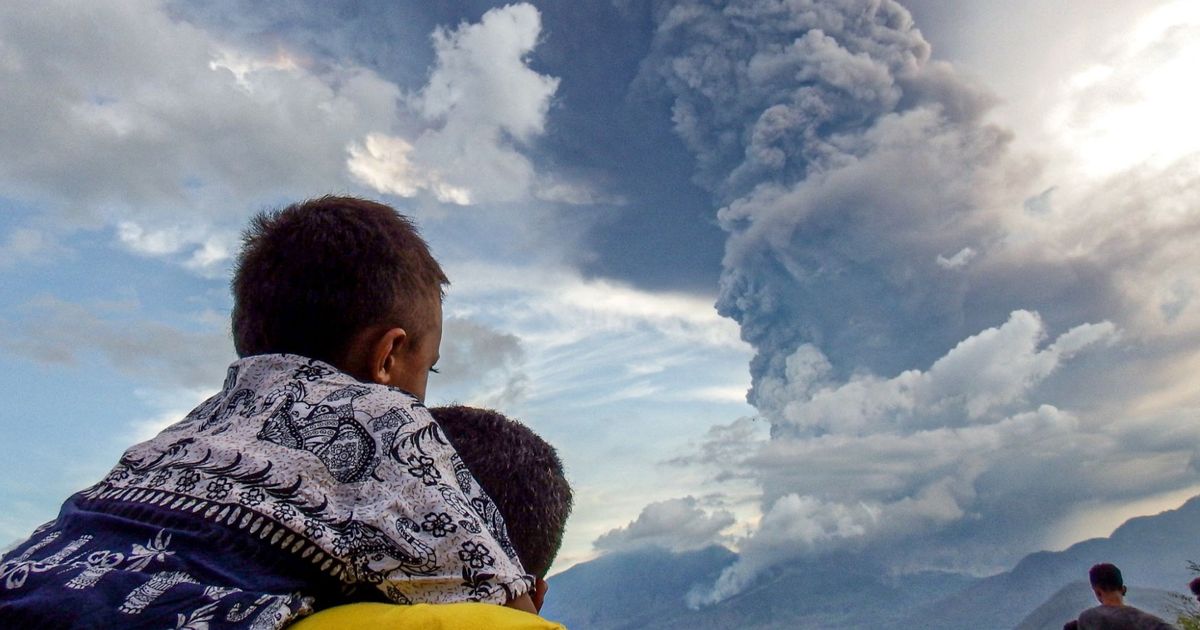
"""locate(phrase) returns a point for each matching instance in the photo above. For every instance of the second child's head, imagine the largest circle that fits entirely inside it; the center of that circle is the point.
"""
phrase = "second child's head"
(522, 474)
(342, 280)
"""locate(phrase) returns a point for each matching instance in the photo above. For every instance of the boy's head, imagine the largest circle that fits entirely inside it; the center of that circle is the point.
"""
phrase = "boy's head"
(1106, 578)
(520, 472)
(334, 279)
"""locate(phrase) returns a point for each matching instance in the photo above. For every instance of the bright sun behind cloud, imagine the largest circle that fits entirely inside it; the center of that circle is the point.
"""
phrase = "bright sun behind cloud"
(1137, 104)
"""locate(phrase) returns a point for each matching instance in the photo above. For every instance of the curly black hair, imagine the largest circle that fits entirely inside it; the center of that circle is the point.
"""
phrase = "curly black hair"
(520, 472)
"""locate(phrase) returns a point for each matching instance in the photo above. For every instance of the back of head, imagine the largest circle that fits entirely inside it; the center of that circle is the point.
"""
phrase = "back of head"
(1194, 586)
(520, 472)
(313, 275)
(1106, 577)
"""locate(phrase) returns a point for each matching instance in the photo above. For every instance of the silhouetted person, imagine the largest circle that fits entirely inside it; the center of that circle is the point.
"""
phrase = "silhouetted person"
(1113, 613)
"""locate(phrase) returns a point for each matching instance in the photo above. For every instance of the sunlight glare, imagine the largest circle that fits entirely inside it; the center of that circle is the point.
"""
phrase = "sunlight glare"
(1138, 106)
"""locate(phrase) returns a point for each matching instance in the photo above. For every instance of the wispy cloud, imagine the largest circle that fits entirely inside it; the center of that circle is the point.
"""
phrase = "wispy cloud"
(50, 330)
(29, 246)
(674, 524)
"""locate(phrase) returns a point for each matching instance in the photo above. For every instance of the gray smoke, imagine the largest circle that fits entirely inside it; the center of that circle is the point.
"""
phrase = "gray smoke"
(849, 162)
(911, 311)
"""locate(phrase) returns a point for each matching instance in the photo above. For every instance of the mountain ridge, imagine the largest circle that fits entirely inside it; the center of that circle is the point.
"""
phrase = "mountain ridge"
(646, 588)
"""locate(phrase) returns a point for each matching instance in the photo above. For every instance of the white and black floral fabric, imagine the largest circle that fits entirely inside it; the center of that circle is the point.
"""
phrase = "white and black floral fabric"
(295, 486)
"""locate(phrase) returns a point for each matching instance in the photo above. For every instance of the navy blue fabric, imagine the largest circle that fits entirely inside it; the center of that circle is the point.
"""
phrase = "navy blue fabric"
(110, 564)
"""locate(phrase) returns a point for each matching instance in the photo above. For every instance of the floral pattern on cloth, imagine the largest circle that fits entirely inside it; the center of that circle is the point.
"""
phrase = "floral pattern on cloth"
(355, 479)
(137, 581)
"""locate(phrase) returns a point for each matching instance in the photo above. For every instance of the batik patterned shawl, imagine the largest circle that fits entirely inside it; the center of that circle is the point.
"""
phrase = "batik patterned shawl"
(356, 479)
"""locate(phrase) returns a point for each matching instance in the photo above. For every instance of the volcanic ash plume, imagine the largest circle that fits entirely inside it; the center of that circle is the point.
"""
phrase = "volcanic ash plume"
(908, 335)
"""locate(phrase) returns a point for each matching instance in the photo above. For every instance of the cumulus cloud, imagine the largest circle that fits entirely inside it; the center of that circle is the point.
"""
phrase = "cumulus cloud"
(382, 162)
(204, 249)
(906, 466)
(793, 521)
(486, 364)
(918, 311)
(674, 524)
(116, 109)
(481, 104)
(988, 372)
(25, 245)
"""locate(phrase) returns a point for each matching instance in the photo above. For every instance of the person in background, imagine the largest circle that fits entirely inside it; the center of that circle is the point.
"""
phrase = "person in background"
(1113, 613)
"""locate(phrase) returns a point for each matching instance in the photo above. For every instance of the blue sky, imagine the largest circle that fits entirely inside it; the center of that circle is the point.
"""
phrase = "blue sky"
(948, 248)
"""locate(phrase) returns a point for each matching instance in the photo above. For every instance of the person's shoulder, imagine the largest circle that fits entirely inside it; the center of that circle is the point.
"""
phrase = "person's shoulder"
(1126, 616)
(1147, 621)
(1095, 615)
(464, 615)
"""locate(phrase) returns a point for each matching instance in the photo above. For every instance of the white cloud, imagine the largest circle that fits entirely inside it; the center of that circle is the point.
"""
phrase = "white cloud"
(718, 393)
(904, 466)
(481, 78)
(793, 523)
(481, 104)
(958, 260)
(117, 114)
(559, 307)
(130, 108)
(597, 342)
(173, 135)
(990, 371)
(558, 190)
(152, 243)
(25, 245)
(674, 524)
(172, 403)
(202, 249)
(382, 162)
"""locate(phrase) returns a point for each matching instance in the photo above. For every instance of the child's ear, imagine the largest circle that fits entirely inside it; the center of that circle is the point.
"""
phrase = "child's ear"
(384, 353)
(539, 593)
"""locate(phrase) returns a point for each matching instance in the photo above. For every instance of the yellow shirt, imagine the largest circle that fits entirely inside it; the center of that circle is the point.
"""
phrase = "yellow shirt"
(462, 616)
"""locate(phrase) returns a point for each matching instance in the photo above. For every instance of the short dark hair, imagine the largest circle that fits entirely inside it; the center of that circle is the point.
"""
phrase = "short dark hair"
(1194, 586)
(520, 472)
(313, 275)
(1106, 577)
